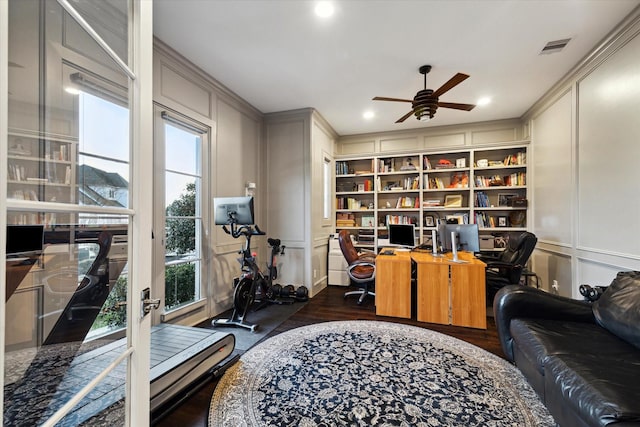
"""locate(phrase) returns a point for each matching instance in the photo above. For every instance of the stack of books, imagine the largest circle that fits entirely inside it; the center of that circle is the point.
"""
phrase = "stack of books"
(345, 220)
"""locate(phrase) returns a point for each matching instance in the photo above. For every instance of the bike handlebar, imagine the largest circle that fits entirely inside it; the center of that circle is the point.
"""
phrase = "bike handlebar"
(245, 230)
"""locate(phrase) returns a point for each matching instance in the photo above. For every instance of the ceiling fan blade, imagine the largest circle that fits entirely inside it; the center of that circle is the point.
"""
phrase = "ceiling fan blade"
(453, 81)
(456, 106)
(405, 117)
(384, 98)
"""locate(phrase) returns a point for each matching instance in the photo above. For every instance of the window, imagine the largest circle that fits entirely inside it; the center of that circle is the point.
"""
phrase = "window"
(183, 201)
(327, 185)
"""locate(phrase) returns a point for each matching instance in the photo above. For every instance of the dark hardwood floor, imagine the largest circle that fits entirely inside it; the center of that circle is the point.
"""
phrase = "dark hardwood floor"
(328, 305)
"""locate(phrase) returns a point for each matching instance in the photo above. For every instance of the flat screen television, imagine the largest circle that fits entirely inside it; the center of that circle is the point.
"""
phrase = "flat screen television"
(238, 210)
(402, 235)
(466, 236)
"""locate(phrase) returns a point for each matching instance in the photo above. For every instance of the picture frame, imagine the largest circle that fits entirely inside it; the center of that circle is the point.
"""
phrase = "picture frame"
(502, 221)
(504, 199)
(429, 221)
(453, 201)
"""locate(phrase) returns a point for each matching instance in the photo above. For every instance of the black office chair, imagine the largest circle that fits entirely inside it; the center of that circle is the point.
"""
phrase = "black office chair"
(507, 267)
(361, 269)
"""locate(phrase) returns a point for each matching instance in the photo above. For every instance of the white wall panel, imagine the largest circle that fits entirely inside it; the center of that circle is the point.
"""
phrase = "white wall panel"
(358, 147)
(399, 144)
(552, 169)
(185, 92)
(550, 266)
(609, 152)
(445, 141)
(291, 267)
(493, 136)
(598, 274)
(285, 173)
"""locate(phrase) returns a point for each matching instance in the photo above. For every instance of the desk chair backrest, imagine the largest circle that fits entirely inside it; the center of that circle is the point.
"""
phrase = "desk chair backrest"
(517, 253)
(358, 273)
(346, 246)
(519, 248)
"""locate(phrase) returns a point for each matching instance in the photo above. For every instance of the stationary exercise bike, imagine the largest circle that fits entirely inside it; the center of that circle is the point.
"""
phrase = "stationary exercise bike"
(251, 281)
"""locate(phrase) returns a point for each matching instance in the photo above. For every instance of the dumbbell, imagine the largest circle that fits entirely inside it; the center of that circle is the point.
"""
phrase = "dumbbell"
(302, 293)
(596, 292)
(287, 291)
(584, 290)
(274, 291)
(591, 293)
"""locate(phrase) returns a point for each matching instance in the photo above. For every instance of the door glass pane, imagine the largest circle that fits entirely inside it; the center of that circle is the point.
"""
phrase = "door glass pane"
(63, 292)
(108, 18)
(66, 268)
(183, 222)
(103, 160)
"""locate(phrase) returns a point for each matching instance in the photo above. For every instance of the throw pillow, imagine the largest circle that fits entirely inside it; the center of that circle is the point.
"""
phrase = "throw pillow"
(618, 309)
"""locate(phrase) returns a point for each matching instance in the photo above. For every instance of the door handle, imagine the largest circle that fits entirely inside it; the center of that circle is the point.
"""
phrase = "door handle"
(147, 303)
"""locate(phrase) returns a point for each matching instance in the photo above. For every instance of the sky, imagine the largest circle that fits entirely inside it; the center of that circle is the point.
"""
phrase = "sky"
(104, 132)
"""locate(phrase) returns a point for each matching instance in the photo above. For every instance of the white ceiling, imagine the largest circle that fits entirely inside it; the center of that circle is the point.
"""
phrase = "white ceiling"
(279, 56)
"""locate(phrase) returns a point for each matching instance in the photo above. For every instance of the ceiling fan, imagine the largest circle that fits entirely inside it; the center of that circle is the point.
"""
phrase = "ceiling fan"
(425, 103)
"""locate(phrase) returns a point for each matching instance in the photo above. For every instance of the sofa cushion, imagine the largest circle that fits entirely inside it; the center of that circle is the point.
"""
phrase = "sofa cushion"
(600, 389)
(537, 339)
(618, 309)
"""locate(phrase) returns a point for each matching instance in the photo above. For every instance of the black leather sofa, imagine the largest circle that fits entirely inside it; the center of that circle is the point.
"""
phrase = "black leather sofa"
(583, 359)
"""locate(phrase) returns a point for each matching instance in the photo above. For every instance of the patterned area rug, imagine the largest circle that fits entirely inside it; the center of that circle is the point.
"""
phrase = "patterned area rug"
(369, 373)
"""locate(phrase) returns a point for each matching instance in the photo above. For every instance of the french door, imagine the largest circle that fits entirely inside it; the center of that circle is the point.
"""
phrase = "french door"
(75, 143)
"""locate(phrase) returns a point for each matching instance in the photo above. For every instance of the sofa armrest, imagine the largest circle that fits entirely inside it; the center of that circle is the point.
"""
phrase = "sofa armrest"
(515, 301)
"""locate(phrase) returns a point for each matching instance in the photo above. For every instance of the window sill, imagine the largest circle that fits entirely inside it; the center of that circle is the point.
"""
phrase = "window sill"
(182, 311)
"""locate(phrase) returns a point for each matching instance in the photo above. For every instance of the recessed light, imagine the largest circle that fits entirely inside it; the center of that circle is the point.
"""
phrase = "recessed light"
(483, 101)
(368, 115)
(324, 9)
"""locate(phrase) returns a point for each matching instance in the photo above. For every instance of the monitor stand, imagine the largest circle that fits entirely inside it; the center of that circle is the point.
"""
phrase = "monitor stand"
(434, 245)
(454, 249)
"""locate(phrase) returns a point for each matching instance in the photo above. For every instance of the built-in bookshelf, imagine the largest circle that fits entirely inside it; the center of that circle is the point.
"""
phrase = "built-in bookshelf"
(486, 186)
(40, 168)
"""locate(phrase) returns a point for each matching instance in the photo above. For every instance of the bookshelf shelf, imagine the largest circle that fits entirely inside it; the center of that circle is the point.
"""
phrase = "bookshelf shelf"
(40, 168)
(477, 182)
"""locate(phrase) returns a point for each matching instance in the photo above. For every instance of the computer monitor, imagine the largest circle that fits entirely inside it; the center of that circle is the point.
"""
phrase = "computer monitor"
(402, 235)
(466, 236)
(238, 210)
(24, 239)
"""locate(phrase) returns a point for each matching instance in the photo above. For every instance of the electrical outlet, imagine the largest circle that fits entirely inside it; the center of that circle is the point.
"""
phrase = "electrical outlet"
(315, 273)
(555, 285)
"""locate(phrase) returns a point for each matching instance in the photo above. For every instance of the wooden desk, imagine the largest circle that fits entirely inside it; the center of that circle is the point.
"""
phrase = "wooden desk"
(447, 292)
(393, 284)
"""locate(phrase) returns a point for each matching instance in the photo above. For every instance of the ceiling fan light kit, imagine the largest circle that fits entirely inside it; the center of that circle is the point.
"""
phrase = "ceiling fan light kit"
(426, 102)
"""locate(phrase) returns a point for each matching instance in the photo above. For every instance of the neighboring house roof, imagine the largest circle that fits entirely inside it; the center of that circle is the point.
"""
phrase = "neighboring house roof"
(89, 197)
(88, 175)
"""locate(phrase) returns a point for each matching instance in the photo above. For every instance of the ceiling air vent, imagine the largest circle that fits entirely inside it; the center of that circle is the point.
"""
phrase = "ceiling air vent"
(554, 46)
